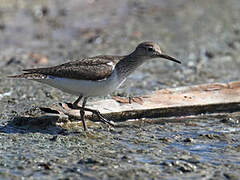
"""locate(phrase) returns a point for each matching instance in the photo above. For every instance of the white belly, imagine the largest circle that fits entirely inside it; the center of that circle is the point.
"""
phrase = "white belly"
(84, 87)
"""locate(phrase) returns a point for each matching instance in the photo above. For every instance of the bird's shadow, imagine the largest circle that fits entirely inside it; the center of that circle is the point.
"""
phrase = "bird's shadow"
(43, 124)
(45, 120)
(48, 120)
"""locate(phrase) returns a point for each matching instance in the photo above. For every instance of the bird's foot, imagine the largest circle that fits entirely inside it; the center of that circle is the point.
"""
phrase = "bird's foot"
(128, 100)
(96, 112)
(73, 106)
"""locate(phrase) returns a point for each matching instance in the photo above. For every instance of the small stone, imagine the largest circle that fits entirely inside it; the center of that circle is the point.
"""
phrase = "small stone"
(46, 166)
(124, 157)
(12, 60)
(2, 27)
(88, 161)
(188, 140)
(209, 54)
(54, 138)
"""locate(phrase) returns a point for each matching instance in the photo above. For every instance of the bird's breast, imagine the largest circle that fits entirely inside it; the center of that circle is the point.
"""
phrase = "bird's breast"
(85, 87)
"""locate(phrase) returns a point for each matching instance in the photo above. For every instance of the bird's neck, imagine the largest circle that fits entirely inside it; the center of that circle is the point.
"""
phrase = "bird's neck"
(128, 65)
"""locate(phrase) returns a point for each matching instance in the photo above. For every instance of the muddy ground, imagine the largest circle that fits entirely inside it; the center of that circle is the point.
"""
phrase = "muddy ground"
(204, 35)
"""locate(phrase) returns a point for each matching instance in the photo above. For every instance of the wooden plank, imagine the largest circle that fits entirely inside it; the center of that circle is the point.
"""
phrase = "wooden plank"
(183, 101)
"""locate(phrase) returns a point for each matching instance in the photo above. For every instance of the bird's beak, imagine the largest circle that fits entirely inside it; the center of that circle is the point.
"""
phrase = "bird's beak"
(168, 57)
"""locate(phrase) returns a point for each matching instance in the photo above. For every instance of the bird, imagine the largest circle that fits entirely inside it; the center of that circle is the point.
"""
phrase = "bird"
(94, 76)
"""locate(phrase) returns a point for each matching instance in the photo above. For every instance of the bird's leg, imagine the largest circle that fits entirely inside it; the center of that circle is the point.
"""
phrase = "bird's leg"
(75, 104)
(130, 99)
(101, 118)
(82, 108)
(82, 113)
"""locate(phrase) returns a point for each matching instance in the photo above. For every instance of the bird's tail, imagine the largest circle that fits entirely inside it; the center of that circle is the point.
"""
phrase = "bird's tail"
(17, 76)
(29, 76)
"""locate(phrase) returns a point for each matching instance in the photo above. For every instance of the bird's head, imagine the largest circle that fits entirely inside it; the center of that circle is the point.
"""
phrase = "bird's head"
(151, 50)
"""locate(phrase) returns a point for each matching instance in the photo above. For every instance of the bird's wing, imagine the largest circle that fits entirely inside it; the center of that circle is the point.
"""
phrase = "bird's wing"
(94, 68)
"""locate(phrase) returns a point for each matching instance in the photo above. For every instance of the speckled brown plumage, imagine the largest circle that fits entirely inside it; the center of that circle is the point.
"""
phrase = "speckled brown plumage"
(93, 68)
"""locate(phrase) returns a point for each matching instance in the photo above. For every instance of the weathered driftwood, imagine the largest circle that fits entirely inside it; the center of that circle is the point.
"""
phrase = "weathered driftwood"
(183, 101)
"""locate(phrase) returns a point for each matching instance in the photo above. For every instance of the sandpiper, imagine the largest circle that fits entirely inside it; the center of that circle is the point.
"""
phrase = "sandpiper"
(94, 76)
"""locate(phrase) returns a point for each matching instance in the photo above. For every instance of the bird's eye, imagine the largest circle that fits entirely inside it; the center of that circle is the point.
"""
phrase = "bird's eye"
(150, 49)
